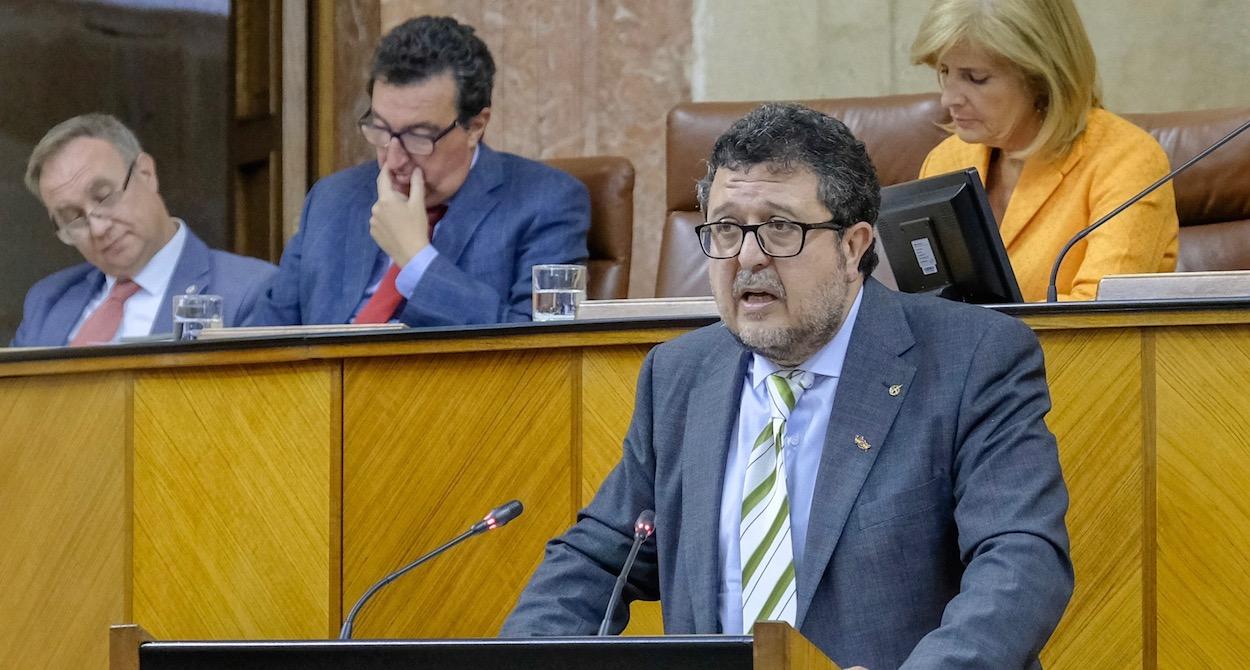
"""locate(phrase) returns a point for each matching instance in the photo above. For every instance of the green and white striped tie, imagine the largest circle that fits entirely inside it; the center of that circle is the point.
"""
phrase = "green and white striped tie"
(768, 579)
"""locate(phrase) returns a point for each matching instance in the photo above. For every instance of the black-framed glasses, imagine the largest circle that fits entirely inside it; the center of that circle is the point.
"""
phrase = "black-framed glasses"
(777, 238)
(76, 229)
(415, 143)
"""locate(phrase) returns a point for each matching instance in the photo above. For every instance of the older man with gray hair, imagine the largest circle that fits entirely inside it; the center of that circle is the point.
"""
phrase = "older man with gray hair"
(101, 191)
(872, 467)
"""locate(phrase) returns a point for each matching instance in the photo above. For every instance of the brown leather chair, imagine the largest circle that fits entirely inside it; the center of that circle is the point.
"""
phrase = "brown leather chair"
(610, 180)
(1213, 197)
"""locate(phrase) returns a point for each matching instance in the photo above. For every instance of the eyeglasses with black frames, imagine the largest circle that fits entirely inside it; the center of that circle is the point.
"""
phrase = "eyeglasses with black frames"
(413, 142)
(72, 231)
(778, 238)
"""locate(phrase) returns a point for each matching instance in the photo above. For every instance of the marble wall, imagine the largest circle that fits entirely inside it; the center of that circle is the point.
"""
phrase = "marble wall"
(1153, 55)
(584, 77)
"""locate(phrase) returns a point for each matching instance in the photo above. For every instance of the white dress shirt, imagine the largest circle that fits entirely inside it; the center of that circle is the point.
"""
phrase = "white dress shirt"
(140, 311)
(805, 438)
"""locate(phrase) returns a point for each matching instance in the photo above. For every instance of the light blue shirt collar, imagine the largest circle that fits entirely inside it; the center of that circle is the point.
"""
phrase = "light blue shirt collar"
(154, 277)
(826, 362)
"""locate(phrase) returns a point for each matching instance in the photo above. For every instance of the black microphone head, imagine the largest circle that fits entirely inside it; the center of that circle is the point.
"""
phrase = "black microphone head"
(645, 525)
(503, 514)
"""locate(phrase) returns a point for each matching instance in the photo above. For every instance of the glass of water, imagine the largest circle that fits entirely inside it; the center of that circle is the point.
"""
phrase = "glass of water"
(557, 291)
(194, 312)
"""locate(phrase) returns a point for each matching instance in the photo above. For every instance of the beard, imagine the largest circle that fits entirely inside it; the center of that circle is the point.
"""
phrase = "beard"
(790, 344)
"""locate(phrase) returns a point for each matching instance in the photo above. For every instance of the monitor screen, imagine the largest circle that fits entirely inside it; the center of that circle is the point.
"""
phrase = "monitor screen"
(938, 236)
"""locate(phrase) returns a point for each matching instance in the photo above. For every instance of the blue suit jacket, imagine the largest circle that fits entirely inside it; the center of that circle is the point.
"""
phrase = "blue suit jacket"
(510, 214)
(54, 304)
(941, 545)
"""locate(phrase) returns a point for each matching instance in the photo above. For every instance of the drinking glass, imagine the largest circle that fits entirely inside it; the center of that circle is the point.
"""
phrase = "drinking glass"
(557, 291)
(194, 312)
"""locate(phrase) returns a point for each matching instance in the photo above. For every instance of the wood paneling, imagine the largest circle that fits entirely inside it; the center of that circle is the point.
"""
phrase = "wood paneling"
(65, 561)
(268, 133)
(231, 517)
(1203, 507)
(238, 482)
(345, 35)
(609, 377)
(430, 445)
(1095, 379)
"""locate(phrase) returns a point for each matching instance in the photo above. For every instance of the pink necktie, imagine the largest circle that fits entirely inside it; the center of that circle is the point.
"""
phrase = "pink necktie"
(102, 325)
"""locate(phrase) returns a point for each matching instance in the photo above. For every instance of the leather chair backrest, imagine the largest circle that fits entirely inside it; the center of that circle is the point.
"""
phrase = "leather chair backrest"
(1213, 197)
(898, 131)
(610, 180)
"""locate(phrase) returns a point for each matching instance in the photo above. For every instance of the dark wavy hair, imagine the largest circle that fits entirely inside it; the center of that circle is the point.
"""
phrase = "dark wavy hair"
(785, 136)
(428, 46)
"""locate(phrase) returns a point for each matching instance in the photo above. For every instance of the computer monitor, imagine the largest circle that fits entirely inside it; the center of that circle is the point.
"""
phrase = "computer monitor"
(938, 236)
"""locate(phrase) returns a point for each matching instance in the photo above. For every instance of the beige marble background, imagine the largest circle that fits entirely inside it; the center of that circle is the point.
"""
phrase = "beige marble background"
(586, 77)
(583, 78)
(1153, 55)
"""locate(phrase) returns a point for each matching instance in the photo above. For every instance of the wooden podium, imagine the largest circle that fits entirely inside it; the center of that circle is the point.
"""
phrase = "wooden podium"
(775, 646)
(247, 490)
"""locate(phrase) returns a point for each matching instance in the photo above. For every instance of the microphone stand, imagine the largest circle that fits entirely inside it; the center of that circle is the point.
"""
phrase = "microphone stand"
(494, 519)
(1052, 294)
(643, 527)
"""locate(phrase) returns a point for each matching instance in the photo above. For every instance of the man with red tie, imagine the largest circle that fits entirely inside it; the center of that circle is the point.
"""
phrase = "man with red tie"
(369, 250)
(102, 194)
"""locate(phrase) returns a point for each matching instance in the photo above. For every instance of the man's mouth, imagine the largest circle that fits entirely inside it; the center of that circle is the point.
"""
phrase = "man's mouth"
(758, 292)
(402, 184)
(757, 302)
(113, 246)
(757, 297)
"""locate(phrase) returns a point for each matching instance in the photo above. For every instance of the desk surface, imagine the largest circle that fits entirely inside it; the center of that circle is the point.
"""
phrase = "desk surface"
(286, 348)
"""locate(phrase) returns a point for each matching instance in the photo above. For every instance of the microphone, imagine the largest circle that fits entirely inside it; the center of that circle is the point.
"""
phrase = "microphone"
(643, 528)
(1051, 293)
(494, 519)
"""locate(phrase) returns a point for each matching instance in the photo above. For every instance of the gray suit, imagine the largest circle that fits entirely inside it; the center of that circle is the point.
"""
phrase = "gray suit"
(940, 545)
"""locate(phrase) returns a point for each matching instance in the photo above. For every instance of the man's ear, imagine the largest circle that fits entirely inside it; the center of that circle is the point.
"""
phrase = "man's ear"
(857, 240)
(145, 170)
(477, 126)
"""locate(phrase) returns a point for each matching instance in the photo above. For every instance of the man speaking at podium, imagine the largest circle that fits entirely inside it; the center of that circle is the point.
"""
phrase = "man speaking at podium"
(870, 466)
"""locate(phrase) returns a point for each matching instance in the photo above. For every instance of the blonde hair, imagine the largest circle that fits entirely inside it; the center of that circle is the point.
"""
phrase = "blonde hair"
(99, 126)
(1043, 39)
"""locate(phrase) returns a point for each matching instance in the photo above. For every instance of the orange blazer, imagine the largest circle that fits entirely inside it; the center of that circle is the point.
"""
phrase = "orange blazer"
(1109, 163)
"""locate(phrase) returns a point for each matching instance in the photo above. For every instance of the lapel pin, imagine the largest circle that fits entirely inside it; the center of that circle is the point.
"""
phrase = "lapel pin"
(862, 443)
(896, 389)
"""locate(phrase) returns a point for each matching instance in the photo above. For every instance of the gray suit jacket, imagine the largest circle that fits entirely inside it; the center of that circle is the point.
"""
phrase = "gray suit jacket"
(54, 304)
(942, 545)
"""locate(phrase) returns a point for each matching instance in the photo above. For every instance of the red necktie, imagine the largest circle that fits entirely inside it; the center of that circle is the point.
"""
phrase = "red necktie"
(381, 307)
(101, 327)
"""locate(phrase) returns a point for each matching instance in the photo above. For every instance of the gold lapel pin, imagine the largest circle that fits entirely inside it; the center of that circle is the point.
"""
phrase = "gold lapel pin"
(896, 389)
(862, 443)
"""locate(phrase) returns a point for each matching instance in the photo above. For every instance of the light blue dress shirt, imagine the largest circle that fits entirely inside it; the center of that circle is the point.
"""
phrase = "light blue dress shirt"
(805, 438)
(140, 311)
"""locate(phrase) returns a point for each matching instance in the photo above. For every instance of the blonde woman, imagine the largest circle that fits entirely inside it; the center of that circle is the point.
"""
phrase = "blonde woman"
(1020, 82)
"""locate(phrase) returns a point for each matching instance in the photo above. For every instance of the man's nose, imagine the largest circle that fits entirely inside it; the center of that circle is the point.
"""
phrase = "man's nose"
(752, 255)
(98, 223)
(396, 157)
